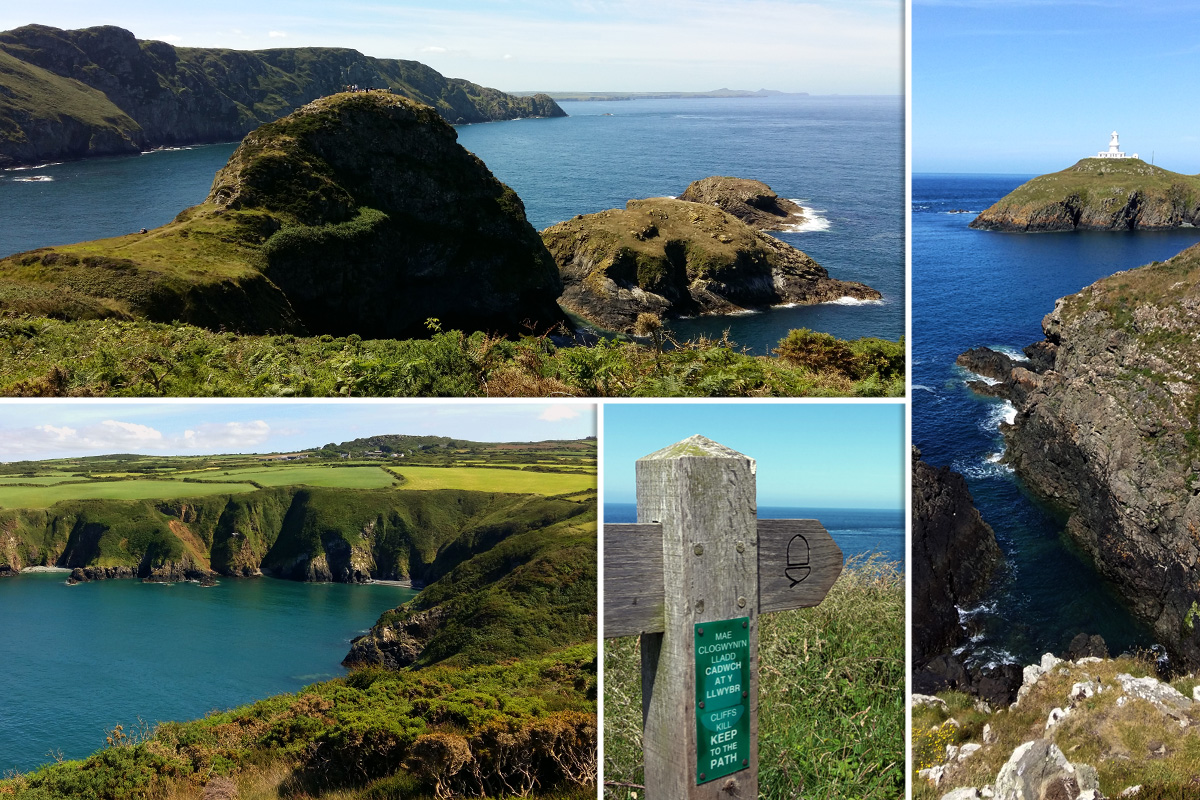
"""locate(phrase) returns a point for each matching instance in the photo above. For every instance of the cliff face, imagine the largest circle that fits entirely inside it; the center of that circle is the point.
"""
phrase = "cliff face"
(344, 536)
(1108, 426)
(673, 258)
(101, 91)
(954, 552)
(1098, 194)
(359, 213)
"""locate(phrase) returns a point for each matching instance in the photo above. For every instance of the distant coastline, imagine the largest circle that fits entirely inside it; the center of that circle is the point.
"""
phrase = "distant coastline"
(587, 96)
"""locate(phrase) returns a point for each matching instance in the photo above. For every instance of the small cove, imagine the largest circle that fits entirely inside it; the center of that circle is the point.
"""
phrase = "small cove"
(79, 660)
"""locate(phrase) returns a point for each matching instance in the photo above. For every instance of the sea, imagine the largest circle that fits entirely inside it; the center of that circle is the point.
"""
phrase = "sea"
(974, 288)
(79, 660)
(858, 532)
(842, 158)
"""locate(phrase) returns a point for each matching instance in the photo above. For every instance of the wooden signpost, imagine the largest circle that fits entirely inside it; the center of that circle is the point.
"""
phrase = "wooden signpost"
(692, 577)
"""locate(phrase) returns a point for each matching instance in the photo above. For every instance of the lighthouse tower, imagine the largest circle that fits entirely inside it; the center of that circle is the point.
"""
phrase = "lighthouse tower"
(1114, 149)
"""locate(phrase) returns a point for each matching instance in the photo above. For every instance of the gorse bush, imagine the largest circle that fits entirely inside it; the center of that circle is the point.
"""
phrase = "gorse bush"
(45, 357)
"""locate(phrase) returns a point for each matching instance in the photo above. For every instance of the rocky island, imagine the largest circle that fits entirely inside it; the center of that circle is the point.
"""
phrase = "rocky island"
(671, 257)
(101, 91)
(1098, 194)
(1107, 427)
(753, 202)
(354, 198)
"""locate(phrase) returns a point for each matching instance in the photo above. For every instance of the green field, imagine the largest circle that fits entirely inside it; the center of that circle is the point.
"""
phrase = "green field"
(46, 496)
(332, 477)
(494, 480)
(41, 480)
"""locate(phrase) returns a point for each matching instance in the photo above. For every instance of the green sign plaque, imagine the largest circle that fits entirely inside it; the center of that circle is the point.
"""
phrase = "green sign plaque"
(722, 698)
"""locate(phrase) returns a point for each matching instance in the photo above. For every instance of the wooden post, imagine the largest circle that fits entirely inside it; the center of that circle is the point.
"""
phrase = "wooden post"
(687, 578)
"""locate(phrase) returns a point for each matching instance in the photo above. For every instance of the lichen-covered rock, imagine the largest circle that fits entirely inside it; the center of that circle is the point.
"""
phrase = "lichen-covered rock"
(753, 202)
(358, 214)
(1038, 770)
(676, 258)
(1098, 194)
(101, 91)
(396, 644)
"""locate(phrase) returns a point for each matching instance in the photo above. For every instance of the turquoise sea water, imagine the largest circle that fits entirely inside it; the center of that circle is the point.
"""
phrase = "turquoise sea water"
(841, 156)
(974, 288)
(78, 660)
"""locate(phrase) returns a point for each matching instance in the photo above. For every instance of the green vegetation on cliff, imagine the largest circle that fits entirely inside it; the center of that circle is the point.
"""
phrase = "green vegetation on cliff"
(42, 357)
(1098, 194)
(100, 91)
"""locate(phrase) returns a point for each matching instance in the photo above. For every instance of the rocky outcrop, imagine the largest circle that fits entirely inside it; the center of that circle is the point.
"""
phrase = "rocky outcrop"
(1101, 195)
(358, 214)
(676, 258)
(1107, 428)
(752, 202)
(954, 552)
(101, 91)
(394, 644)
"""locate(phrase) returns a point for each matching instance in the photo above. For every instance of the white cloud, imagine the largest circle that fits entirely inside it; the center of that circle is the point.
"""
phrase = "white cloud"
(170, 37)
(433, 49)
(559, 413)
(277, 34)
(217, 435)
(109, 436)
(508, 56)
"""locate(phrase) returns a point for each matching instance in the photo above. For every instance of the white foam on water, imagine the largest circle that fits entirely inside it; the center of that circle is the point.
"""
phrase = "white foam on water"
(35, 166)
(852, 301)
(923, 388)
(987, 380)
(1014, 353)
(812, 222)
(34, 179)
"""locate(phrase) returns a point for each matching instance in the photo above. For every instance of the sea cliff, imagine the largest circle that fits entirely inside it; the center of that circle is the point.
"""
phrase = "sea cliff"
(1098, 194)
(1108, 427)
(359, 213)
(101, 91)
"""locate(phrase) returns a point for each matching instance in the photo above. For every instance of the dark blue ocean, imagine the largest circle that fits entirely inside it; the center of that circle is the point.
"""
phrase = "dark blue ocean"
(841, 156)
(858, 532)
(78, 660)
(974, 288)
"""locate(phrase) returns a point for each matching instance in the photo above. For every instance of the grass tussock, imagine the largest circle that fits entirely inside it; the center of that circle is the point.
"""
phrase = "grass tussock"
(44, 357)
(1128, 742)
(831, 695)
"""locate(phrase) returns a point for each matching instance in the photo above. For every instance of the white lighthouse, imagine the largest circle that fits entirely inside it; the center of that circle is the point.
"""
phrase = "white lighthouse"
(1114, 149)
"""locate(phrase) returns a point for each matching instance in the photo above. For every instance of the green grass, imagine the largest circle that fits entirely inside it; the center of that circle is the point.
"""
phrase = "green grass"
(494, 480)
(831, 695)
(132, 489)
(40, 480)
(1116, 739)
(47, 357)
(365, 477)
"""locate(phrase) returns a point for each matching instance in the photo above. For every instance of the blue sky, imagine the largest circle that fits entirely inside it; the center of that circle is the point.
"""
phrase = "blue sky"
(819, 46)
(1031, 86)
(814, 455)
(60, 429)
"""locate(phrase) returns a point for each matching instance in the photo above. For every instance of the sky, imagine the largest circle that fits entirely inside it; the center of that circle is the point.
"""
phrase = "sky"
(1032, 86)
(815, 46)
(63, 429)
(809, 455)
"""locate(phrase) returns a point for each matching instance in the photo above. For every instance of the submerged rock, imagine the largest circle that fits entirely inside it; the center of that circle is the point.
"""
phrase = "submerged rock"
(676, 258)
(752, 202)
